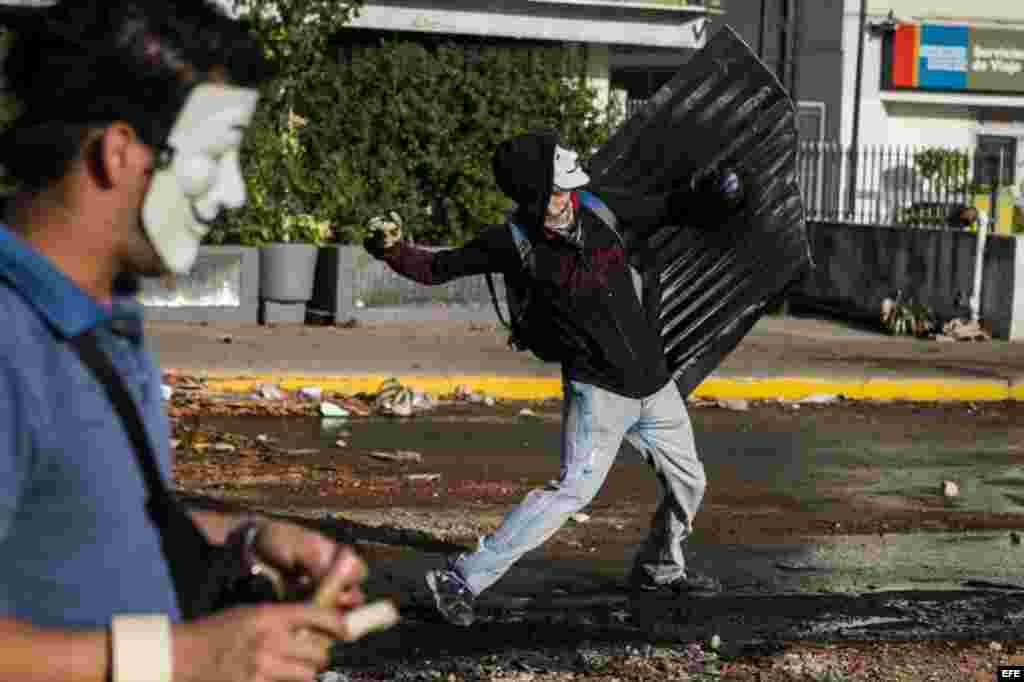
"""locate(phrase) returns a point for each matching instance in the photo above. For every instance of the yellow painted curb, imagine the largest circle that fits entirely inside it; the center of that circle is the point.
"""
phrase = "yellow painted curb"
(798, 388)
(772, 388)
(543, 388)
(1017, 391)
(505, 387)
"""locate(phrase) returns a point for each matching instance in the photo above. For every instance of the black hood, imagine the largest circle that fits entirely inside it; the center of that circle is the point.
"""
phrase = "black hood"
(524, 167)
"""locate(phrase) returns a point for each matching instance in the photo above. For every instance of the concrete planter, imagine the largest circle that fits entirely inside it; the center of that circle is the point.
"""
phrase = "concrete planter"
(286, 281)
(286, 272)
(222, 286)
(333, 295)
(350, 283)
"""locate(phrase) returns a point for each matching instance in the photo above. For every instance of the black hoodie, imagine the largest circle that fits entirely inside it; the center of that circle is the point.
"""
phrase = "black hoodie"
(524, 168)
(586, 290)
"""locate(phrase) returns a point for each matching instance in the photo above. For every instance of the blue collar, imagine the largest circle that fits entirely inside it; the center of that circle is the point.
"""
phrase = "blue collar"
(58, 300)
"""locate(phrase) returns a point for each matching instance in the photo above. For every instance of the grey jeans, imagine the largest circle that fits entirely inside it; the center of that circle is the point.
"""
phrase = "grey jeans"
(594, 424)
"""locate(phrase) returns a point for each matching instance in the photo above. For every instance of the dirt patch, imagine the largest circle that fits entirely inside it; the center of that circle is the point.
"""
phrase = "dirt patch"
(872, 661)
(322, 481)
(460, 499)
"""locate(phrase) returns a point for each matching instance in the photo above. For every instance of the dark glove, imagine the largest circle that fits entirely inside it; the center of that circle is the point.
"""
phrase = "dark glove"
(723, 188)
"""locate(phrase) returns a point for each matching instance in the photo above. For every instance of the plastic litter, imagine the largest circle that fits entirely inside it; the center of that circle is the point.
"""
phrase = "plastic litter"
(269, 392)
(397, 456)
(963, 330)
(423, 401)
(819, 399)
(311, 392)
(333, 426)
(354, 407)
(402, 406)
(394, 398)
(331, 410)
(427, 478)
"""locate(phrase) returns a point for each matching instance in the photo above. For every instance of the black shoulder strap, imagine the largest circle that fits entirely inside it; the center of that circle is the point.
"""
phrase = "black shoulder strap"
(95, 359)
(526, 257)
(494, 299)
(601, 210)
(523, 246)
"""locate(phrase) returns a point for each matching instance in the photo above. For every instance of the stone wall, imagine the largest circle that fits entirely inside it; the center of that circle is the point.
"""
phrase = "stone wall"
(857, 266)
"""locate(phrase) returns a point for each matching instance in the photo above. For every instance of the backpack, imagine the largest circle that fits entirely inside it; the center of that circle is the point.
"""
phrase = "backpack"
(528, 330)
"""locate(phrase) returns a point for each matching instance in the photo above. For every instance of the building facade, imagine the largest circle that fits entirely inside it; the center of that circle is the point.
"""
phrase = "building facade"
(802, 42)
(621, 38)
(941, 73)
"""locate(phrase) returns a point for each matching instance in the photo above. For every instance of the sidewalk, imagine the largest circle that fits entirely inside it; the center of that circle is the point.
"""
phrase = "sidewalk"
(788, 358)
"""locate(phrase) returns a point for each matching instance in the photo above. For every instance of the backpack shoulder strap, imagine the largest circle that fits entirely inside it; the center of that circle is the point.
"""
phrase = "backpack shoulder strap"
(601, 210)
(523, 245)
(525, 251)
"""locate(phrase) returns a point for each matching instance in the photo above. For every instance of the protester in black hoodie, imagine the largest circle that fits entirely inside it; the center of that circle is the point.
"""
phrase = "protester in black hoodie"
(616, 380)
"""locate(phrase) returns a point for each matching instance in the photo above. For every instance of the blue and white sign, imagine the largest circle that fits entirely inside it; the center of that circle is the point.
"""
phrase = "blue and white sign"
(943, 57)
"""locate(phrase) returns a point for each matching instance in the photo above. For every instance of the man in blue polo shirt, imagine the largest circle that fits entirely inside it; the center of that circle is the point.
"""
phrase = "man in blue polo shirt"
(126, 148)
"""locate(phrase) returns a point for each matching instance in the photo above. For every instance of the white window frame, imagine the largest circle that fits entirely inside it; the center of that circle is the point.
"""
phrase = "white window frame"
(820, 142)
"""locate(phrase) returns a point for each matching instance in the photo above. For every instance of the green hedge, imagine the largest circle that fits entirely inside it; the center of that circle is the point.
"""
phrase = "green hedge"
(398, 125)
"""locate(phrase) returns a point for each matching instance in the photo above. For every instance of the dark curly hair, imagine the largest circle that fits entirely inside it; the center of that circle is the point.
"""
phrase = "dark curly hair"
(77, 65)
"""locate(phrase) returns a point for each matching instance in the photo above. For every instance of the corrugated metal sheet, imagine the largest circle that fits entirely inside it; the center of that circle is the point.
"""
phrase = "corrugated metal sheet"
(706, 285)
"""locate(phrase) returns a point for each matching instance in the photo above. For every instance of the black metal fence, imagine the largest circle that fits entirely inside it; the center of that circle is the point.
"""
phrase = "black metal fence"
(912, 186)
(901, 185)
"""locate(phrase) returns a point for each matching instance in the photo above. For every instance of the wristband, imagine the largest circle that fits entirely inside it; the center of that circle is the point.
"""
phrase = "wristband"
(141, 648)
(244, 537)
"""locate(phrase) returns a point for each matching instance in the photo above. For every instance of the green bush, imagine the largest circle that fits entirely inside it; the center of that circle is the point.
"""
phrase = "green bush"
(406, 127)
(934, 214)
(284, 200)
(947, 169)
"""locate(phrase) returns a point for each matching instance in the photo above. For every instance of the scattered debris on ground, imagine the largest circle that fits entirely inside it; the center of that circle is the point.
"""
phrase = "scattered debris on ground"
(928, 661)
(963, 330)
(401, 456)
(424, 478)
(950, 489)
(331, 410)
(902, 317)
(311, 392)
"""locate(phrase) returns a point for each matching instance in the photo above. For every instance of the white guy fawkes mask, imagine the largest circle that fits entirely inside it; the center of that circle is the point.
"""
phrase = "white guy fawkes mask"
(568, 174)
(203, 176)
